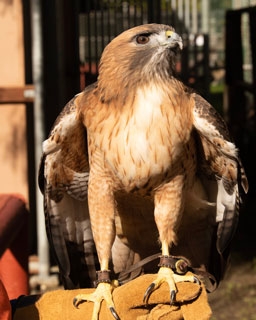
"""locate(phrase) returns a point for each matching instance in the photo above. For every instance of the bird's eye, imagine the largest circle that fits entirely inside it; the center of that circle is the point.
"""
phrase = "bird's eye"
(142, 39)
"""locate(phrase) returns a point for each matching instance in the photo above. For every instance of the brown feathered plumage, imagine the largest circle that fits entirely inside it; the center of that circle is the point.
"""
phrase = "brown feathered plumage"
(136, 158)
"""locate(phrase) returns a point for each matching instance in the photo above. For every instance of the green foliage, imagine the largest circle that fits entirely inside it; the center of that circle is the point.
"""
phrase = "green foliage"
(221, 4)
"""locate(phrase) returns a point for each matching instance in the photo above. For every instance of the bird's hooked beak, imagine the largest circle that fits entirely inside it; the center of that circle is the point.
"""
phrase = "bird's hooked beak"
(173, 40)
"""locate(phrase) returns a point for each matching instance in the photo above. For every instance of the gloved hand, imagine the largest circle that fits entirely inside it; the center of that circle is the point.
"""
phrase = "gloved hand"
(192, 303)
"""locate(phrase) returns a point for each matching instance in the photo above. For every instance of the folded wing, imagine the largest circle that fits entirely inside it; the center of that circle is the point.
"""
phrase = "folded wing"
(63, 179)
(219, 160)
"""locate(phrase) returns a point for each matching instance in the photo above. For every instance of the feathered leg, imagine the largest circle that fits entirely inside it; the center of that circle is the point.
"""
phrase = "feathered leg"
(102, 210)
(168, 211)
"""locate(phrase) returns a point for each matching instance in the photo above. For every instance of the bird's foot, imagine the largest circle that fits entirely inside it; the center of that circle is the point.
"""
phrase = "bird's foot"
(166, 274)
(102, 292)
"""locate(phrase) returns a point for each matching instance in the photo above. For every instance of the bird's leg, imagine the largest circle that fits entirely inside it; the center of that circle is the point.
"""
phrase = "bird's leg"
(102, 209)
(103, 292)
(172, 271)
(168, 211)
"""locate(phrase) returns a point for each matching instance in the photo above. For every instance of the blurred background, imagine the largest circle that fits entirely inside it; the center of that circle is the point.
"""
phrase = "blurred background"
(50, 50)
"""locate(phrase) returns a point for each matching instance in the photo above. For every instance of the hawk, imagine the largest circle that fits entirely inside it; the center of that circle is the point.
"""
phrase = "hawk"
(135, 164)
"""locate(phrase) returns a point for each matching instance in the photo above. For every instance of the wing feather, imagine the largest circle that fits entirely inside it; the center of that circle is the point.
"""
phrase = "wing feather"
(220, 161)
(63, 179)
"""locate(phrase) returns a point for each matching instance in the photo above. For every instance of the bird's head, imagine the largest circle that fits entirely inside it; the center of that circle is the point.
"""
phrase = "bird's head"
(136, 57)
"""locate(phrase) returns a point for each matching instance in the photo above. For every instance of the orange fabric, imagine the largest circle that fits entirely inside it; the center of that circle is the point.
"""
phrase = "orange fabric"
(13, 275)
(5, 307)
(14, 245)
(128, 303)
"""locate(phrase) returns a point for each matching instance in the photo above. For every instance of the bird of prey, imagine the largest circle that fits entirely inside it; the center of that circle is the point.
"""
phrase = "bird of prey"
(135, 164)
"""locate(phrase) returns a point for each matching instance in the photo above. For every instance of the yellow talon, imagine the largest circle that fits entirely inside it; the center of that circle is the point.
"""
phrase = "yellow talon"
(102, 292)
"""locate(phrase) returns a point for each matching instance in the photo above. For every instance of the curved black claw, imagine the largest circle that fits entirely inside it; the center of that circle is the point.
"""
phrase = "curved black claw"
(148, 292)
(115, 315)
(76, 302)
(172, 297)
(196, 280)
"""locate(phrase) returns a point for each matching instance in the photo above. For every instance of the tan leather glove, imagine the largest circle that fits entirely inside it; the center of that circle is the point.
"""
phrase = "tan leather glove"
(191, 299)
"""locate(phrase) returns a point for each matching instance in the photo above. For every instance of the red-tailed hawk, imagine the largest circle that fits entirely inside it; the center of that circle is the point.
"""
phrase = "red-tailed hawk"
(138, 163)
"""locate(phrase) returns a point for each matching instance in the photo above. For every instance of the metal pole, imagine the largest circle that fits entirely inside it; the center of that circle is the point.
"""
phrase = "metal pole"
(187, 15)
(180, 10)
(37, 64)
(205, 17)
(194, 17)
(173, 4)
